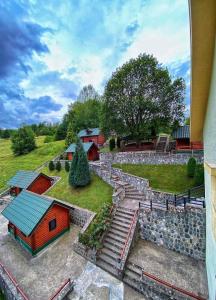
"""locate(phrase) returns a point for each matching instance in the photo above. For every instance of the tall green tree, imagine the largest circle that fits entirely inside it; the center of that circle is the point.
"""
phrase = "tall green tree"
(71, 137)
(141, 97)
(23, 141)
(86, 93)
(79, 174)
(61, 130)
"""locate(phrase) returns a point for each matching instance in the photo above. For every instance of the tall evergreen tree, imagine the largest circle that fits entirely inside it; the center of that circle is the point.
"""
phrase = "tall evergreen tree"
(23, 141)
(79, 171)
(71, 137)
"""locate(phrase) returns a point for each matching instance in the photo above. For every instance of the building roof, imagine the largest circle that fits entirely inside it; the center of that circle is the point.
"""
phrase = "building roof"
(89, 132)
(23, 179)
(182, 132)
(86, 147)
(26, 210)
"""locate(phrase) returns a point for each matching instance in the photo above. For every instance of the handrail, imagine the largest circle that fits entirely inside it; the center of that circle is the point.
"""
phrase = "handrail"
(13, 280)
(60, 289)
(129, 232)
(163, 282)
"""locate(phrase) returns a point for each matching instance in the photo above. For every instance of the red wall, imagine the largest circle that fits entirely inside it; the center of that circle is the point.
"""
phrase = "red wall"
(69, 155)
(40, 185)
(42, 235)
(97, 139)
(197, 145)
(15, 190)
(91, 155)
(182, 144)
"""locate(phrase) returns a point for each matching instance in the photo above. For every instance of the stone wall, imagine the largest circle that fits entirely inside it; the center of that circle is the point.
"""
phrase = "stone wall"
(149, 158)
(178, 229)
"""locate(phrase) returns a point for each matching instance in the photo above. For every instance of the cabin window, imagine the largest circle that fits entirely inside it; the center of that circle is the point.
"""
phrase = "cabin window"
(52, 224)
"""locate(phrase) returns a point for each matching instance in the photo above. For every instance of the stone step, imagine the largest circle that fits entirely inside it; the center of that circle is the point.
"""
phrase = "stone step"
(118, 233)
(131, 274)
(139, 197)
(133, 268)
(116, 227)
(119, 223)
(103, 265)
(113, 255)
(122, 219)
(113, 246)
(131, 283)
(116, 238)
(134, 193)
(109, 260)
(123, 215)
(132, 198)
(125, 211)
(113, 242)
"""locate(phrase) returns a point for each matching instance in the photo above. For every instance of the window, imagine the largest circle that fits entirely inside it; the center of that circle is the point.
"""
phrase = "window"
(52, 224)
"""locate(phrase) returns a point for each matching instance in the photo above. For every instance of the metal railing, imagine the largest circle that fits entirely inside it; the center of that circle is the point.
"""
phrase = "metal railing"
(68, 283)
(193, 196)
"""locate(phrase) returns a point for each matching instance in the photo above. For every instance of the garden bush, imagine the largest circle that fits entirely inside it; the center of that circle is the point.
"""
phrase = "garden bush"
(118, 142)
(49, 139)
(111, 144)
(67, 166)
(191, 166)
(51, 166)
(58, 166)
(91, 237)
(199, 175)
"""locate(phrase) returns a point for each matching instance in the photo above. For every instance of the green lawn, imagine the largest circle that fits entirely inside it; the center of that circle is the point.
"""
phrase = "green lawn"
(91, 197)
(1, 296)
(167, 178)
(9, 163)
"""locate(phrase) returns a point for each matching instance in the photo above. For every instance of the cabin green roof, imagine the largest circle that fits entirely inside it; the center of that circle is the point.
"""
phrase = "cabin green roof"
(86, 147)
(26, 211)
(89, 132)
(182, 132)
(23, 179)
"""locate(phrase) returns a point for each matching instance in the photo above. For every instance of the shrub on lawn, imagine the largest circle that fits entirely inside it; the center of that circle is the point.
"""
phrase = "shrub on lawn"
(91, 238)
(23, 141)
(79, 171)
(111, 144)
(51, 166)
(118, 142)
(67, 166)
(58, 166)
(199, 175)
(49, 139)
(191, 166)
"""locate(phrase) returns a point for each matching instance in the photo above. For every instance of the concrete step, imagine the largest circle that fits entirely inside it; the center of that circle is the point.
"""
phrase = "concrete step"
(111, 254)
(131, 274)
(103, 265)
(133, 268)
(122, 219)
(114, 243)
(119, 223)
(109, 260)
(113, 246)
(125, 211)
(131, 283)
(118, 233)
(116, 238)
(134, 193)
(137, 196)
(123, 215)
(123, 230)
(132, 198)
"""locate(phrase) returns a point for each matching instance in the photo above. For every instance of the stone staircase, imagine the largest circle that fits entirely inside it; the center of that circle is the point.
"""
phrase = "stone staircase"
(110, 256)
(162, 144)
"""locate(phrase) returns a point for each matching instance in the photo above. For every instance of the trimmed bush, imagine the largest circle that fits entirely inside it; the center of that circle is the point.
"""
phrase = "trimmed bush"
(118, 142)
(67, 166)
(191, 166)
(51, 166)
(111, 144)
(58, 166)
(79, 170)
(199, 175)
(49, 139)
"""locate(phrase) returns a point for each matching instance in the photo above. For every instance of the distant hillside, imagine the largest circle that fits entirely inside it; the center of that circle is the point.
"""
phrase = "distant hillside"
(9, 164)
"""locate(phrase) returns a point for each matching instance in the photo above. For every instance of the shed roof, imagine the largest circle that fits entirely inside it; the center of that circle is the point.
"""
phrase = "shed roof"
(26, 210)
(86, 147)
(89, 132)
(182, 132)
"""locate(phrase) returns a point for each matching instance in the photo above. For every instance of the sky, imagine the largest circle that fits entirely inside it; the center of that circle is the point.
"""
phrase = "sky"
(50, 49)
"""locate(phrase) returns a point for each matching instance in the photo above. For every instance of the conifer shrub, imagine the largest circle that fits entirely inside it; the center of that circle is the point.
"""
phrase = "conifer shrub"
(79, 174)
(51, 166)
(67, 166)
(199, 175)
(58, 166)
(191, 166)
(118, 142)
(111, 144)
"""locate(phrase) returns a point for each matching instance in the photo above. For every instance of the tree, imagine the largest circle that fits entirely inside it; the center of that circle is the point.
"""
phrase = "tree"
(187, 121)
(51, 166)
(199, 175)
(61, 130)
(79, 174)
(71, 137)
(86, 93)
(191, 166)
(118, 142)
(111, 144)
(141, 96)
(67, 166)
(58, 166)
(5, 134)
(23, 141)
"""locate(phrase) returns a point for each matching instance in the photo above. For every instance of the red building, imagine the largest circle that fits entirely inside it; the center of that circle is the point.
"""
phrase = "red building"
(31, 181)
(35, 220)
(92, 135)
(90, 148)
(182, 137)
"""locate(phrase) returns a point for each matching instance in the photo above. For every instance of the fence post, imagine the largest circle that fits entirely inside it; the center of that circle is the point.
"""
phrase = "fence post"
(151, 204)
(204, 204)
(167, 206)
(184, 202)
(175, 199)
(189, 194)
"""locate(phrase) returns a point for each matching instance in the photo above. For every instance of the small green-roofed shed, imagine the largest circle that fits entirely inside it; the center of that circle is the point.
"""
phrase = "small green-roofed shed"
(182, 132)
(89, 132)
(26, 211)
(86, 147)
(23, 179)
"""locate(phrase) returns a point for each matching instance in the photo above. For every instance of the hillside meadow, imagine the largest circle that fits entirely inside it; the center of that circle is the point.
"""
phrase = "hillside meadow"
(10, 164)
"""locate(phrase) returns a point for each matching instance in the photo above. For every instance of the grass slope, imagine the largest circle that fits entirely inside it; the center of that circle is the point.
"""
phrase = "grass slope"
(1, 296)
(91, 197)
(10, 164)
(167, 178)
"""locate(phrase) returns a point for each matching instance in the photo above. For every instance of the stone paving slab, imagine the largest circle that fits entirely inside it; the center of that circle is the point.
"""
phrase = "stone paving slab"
(178, 269)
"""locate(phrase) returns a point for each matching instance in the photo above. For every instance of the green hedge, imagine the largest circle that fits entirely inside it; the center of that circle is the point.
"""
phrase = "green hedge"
(191, 166)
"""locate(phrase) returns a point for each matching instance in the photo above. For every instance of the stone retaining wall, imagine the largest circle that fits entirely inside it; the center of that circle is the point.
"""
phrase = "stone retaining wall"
(149, 158)
(178, 229)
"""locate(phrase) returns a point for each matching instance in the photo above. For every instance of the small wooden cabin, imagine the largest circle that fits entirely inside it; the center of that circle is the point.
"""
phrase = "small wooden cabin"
(35, 221)
(31, 181)
(182, 137)
(90, 148)
(92, 135)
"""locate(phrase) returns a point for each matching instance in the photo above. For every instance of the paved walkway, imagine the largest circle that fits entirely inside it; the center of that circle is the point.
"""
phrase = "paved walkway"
(177, 269)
